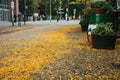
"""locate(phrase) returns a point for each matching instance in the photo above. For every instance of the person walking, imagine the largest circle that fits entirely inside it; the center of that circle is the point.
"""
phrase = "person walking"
(19, 19)
(57, 18)
(15, 18)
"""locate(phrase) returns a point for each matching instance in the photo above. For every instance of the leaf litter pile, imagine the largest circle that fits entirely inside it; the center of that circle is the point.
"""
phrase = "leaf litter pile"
(61, 54)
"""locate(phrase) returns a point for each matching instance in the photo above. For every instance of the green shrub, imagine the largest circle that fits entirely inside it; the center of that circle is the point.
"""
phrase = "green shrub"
(103, 29)
(103, 5)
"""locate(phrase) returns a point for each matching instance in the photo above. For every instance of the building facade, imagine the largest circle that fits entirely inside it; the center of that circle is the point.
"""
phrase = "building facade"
(5, 9)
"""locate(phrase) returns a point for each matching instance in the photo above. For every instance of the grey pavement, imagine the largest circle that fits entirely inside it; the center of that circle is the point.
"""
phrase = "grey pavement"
(36, 26)
(46, 22)
(5, 24)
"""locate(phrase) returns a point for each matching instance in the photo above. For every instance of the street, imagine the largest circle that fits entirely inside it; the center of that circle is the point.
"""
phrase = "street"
(55, 51)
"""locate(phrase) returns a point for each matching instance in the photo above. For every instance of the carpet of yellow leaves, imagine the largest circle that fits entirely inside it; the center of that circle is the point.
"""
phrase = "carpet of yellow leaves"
(18, 59)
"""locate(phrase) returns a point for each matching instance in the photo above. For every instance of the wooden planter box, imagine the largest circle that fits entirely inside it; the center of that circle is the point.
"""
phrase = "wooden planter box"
(103, 42)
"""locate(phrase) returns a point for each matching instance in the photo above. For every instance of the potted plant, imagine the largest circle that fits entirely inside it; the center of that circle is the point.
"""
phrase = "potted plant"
(101, 7)
(103, 36)
(101, 12)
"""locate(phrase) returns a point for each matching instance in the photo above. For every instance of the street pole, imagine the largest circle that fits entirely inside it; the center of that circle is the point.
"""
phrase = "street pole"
(68, 12)
(12, 8)
(50, 12)
(24, 12)
(3, 10)
(57, 7)
(74, 12)
(60, 10)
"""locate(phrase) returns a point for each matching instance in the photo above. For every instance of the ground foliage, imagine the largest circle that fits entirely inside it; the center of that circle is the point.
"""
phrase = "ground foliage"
(8, 30)
(61, 54)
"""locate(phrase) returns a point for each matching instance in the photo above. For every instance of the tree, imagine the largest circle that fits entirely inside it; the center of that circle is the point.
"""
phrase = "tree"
(44, 6)
(30, 7)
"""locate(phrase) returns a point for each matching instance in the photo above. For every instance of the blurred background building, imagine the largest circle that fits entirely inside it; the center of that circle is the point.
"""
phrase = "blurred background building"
(5, 9)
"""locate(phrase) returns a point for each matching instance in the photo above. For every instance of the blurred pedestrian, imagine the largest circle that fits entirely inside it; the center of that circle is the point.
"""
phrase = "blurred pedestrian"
(57, 18)
(74, 17)
(15, 18)
(34, 18)
(19, 19)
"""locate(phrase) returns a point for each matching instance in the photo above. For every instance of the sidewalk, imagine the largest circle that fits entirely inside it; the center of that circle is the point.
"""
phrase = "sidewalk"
(6, 24)
(28, 23)
(9, 24)
(6, 27)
